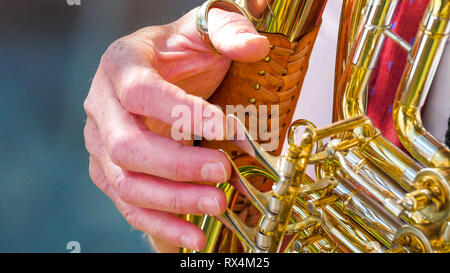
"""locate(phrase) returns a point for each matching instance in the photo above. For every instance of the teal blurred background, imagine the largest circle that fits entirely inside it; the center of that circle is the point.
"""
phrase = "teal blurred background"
(49, 52)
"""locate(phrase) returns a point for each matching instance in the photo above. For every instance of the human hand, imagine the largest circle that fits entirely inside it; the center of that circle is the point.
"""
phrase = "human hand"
(133, 158)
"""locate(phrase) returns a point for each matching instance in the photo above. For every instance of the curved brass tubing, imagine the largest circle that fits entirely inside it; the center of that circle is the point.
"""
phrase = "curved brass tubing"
(415, 85)
(353, 87)
(348, 28)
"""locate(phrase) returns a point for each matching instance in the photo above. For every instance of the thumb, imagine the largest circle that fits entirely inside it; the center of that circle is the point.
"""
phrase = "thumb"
(235, 37)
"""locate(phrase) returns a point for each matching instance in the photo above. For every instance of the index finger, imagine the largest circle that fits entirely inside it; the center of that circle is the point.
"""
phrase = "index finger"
(143, 91)
(131, 146)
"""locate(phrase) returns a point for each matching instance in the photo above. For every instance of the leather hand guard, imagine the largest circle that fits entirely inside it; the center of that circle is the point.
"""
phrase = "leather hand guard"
(275, 80)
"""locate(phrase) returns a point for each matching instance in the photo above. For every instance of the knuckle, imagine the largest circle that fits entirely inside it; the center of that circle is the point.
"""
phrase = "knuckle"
(90, 143)
(135, 87)
(176, 169)
(123, 186)
(117, 146)
(87, 143)
(119, 181)
(131, 94)
(157, 232)
(175, 204)
(114, 50)
(87, 105)
(133, 80)
(133, 218)
(92, 171)
(97, 177)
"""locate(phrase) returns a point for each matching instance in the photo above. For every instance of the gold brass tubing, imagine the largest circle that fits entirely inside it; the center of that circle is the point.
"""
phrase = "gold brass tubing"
(341, 146)
(292, 18)
(365, 52)
(210, 225)
(347, 125)
(440, 8)
(380, 151)
(247, 171)
(305, 223)
(346, 231)
(359, 206)
(299, 213)
(415, 85)
(346, 235)
(383, 197)
(350, 236)
(366, 212)
(381, 186)
(392, 160)
(300, 155)
(293, 127)
(213, 227)
(377, 149)
(397, 39)
(413, 206)
(318, 243)
(349, 24)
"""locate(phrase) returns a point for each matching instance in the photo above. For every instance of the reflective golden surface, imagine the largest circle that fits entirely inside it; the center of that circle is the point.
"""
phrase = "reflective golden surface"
(291, 18)
(369, 195)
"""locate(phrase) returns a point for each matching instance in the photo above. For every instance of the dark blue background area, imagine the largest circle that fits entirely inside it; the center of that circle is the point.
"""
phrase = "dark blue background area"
(49, 52)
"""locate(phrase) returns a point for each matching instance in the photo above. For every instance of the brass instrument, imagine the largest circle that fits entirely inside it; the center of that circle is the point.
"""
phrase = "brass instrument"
(369, 195)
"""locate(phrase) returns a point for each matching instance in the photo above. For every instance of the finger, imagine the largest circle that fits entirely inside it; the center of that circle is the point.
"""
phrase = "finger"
(143, 91)
(98, 177)
(163, 225)
(131, 146)
(234, 36)
(154, 192)
(161, 246)
(165, 195)
(166, 226)
(163, 129)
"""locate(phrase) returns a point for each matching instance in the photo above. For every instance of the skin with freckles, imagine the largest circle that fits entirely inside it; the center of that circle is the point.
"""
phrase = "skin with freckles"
(133, 160)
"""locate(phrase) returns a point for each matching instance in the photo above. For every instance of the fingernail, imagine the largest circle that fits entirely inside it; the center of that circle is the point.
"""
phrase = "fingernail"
(214, 172)
(209, 205)
(189, 242)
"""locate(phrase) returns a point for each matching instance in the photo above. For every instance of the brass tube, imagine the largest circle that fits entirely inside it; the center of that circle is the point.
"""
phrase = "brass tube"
(210, 225)
(367, 212)
(344, 232)
(299, 214)
(365, 53)
(385, 198)
(356, 203)
(381, 152)
(301, 159)
(381, 185)
(354, 84)
(348, 27)
(415, 85)
(392, 160)
(342, 225)
(292, 18)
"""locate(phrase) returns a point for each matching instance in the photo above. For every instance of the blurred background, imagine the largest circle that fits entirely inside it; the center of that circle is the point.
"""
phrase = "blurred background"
(49, 52)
